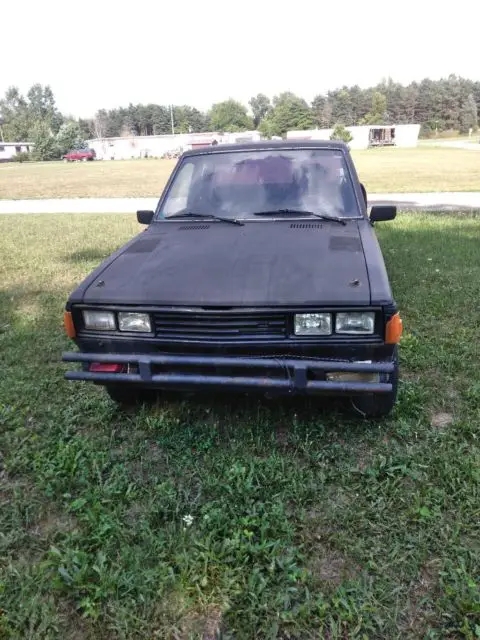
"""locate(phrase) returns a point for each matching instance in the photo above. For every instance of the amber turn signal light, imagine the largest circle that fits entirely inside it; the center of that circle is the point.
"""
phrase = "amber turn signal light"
(68, 324)
(393, 330)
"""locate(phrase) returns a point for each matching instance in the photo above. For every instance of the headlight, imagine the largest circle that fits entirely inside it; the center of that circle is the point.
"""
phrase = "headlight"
(313, 324)
(99, 320)
(139, 322)
(355, 322)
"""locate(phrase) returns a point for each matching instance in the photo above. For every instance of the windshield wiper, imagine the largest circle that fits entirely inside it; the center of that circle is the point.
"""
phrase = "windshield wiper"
(211, 216)
(300, 212)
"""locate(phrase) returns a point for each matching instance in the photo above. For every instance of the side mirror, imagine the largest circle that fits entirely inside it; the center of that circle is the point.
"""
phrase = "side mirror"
(382, 213)
(144, 217)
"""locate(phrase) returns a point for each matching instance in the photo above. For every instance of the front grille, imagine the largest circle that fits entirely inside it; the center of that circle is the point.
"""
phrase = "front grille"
(219, 326)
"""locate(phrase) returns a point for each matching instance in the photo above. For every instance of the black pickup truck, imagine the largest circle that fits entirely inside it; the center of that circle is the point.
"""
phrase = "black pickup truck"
(259, 270)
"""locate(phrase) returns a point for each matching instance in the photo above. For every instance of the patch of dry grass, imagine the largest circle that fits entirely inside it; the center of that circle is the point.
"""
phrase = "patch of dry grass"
(100, 179)
(382, 170)
(418, 170)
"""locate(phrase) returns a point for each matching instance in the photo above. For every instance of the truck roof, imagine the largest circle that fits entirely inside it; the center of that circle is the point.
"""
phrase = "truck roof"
(270, 144)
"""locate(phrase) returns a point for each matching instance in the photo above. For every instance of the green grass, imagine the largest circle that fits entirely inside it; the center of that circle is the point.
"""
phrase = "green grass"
(382, 170)
(306, 521)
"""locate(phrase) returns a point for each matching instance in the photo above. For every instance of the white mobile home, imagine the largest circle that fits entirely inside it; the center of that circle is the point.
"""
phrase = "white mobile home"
(395, 135)
(8, 150)
(125, 148)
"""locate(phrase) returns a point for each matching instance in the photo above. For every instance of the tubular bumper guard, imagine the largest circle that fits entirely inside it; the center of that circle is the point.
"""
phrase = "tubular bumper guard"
(295, 372)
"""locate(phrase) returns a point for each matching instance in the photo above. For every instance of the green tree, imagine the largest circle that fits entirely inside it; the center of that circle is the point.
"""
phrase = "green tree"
(130, 121)
(87, 128)
(145, 119)
(469, 115)
(14, 112)
(341, 106)
(230, 115)
(290, 112)
(320, 110)
(406, 109)
(267, 127)
(378, 112)
(189, 120)
(69, 137)
(452, 99)
(23, 116)
(161, 122)
(42, 107)
(357, 101)
(261, 107)
(341, 133)
(45, 147)
(114, 122)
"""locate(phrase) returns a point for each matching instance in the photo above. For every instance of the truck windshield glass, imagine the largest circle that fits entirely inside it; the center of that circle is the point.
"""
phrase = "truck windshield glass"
(243, 183)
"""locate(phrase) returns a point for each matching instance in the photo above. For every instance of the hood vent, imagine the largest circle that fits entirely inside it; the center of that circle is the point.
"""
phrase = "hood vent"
(144, 245)
(192, 227)
(306, 225)
(345, 243)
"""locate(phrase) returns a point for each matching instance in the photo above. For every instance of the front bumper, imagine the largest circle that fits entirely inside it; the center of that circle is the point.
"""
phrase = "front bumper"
(267, 374)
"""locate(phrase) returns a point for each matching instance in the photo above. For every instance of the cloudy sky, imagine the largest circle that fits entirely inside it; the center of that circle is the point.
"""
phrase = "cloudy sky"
(106, 53)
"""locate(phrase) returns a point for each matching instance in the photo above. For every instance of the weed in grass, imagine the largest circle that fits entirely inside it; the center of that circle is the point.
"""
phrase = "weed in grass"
(236, 516)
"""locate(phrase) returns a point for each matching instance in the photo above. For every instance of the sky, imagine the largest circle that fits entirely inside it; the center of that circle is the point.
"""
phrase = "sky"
(105, 54)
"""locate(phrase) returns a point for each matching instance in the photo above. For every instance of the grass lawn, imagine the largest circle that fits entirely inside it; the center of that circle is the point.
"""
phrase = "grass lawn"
(382, 170)
(421, 169)
(306, 522)
(99, 179)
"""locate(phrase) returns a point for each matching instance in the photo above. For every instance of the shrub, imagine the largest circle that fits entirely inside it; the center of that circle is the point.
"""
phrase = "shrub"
(23, 156)
(341, 133)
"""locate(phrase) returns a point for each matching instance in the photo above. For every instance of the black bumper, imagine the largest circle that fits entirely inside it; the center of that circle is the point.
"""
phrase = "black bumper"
(191, 372)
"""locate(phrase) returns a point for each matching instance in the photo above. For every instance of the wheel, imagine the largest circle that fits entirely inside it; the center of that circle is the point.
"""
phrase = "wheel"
(379, 405)
(127, 396)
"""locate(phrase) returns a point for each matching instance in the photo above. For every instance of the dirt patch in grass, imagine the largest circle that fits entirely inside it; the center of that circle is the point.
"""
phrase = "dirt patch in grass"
(205, 625)
(75, 626)
(151, 464)
(420, 610)
(178, 620)
(441, 420)
(330, 566)
(135, 513)
(53, 523)
(281, 434)
(212, 624)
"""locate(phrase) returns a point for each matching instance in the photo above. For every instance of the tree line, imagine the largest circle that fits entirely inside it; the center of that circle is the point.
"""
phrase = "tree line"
(437, 105)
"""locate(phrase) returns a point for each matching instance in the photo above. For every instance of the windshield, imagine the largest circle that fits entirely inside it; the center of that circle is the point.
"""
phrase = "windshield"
(241, 184)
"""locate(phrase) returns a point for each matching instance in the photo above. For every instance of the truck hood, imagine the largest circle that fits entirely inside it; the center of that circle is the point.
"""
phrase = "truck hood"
(265, 263)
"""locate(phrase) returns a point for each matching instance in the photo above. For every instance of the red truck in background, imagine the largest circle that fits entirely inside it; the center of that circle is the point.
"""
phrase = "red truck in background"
(79, 154)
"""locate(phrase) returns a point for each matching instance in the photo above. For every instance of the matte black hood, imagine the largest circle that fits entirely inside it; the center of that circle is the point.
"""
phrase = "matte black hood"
(263, 263)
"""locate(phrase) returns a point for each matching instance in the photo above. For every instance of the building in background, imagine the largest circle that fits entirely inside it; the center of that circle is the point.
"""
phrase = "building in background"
(126, 148)
(395, 135)
(8, 150)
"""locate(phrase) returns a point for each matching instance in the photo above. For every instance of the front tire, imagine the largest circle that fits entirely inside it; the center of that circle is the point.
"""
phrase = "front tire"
(127, 396)
(379, 405)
